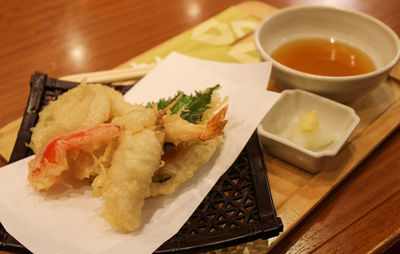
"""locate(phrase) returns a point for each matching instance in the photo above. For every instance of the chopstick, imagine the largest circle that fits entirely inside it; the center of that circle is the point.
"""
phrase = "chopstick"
(110, 76)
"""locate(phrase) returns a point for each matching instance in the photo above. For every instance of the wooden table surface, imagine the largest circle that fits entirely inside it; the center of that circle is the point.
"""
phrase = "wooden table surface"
(64, 37)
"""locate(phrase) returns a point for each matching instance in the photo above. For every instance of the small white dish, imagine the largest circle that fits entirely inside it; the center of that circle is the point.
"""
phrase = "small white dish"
(335, 118)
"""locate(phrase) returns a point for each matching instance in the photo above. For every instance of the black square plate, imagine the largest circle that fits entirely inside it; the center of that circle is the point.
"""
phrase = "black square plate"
(239, 208)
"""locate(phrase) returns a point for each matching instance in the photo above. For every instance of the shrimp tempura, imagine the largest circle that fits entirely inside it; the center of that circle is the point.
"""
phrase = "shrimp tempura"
(120, 146)
(51, 161)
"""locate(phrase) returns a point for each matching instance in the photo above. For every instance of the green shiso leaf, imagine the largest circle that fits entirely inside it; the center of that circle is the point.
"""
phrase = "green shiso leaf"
(193, 105)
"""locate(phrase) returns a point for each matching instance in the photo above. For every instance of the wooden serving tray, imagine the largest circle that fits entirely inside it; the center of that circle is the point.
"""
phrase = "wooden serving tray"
(295, 191)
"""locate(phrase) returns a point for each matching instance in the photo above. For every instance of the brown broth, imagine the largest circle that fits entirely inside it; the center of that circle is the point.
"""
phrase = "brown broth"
(323, 57)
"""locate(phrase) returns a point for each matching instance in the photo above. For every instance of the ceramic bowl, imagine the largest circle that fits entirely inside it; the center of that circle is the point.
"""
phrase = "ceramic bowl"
(336, 120)
(359, 30)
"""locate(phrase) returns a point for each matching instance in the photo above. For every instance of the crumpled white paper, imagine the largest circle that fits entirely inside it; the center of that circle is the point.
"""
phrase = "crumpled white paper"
(68, 221)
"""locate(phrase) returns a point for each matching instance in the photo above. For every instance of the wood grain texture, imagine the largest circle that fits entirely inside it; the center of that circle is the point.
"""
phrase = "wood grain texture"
(62, 38)
(8, 135)
(360, 215)
(296, 192)
(65, 37)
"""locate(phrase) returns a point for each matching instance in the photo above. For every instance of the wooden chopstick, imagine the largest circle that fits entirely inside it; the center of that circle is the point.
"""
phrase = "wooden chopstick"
(110, 76)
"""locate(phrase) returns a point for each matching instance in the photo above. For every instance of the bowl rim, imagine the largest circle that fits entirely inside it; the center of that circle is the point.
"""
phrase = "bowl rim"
(316, 154)
(379, 71)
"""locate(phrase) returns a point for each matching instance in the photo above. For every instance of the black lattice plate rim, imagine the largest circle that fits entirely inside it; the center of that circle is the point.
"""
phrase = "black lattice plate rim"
(239, 208)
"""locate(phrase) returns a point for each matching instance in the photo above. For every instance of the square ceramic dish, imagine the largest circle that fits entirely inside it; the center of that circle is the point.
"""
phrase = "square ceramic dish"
(276, 130)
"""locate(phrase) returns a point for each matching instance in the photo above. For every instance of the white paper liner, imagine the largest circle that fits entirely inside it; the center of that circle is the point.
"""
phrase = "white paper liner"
(69, 222)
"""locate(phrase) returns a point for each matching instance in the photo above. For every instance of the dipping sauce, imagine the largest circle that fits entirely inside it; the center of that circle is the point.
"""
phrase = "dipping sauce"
(323, 57)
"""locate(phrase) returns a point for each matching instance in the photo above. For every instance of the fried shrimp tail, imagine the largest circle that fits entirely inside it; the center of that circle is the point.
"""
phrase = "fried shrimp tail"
(195, 144)
(215, 127)
(51, 161)
(178, 130)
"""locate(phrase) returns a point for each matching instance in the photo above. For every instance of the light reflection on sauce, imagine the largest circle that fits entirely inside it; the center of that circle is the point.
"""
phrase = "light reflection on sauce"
(323, 57)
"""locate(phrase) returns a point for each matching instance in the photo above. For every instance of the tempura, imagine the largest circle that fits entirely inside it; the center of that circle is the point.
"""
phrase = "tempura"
(91, 132)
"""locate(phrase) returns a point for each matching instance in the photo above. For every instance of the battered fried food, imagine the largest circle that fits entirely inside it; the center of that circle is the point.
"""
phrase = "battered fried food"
(76, 109)
(128, 181)
(123, 153)
(81, 107)
(180, 164)
(138, 119)
(178, 130)
(51, 161)
(194, 143)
